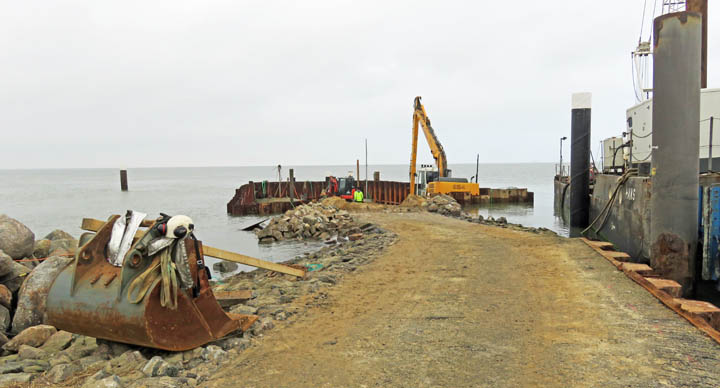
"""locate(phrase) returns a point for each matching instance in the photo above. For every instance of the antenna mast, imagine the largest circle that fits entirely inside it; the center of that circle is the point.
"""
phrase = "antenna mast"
(642, 55)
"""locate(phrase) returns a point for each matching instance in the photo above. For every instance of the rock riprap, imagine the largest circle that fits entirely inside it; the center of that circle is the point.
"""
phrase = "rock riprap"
(306, 222)
(16, 239)
(443, 204)
(11, 272)
(34, 291)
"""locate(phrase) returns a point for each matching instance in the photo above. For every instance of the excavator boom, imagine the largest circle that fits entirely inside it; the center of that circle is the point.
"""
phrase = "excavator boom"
(420, 118)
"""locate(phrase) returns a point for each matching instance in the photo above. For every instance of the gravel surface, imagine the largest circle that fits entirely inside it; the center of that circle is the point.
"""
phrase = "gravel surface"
(458, 304)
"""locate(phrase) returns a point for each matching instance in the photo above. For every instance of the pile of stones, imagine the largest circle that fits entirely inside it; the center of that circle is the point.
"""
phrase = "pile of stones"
(449, 207)
(27, 268)
(443, 204)
(41, 355)
(314, 221)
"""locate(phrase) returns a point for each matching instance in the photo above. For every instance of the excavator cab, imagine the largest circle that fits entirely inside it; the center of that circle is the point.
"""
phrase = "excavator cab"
(93, 297)
(346, 187)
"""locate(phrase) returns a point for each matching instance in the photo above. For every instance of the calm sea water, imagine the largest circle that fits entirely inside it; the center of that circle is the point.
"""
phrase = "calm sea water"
(45, 200)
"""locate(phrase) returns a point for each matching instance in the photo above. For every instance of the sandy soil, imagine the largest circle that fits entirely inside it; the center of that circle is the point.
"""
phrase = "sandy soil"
(457, 304)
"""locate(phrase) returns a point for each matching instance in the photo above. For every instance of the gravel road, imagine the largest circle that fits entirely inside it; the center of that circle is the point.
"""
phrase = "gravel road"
(457, 304)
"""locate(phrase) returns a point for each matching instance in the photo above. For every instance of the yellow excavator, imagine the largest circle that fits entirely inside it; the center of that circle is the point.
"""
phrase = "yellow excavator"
(433, 182)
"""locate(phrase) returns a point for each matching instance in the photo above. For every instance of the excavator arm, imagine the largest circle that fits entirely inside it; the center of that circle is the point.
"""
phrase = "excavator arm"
(420, 118)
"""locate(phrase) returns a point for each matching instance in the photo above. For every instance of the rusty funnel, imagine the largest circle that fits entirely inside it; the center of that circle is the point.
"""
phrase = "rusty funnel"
(89, 297)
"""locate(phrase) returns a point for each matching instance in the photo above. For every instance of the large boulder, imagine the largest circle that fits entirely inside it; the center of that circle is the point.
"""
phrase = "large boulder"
(5, 319)
(14, 379)
(225, 267)
(63, 247)
(41, 249)
(26, 352)
(32, 336)
(34, 291)
(12, 273)
(58, 341)
(16, 240)
(5, 297)
(62, 372)
(58, 234)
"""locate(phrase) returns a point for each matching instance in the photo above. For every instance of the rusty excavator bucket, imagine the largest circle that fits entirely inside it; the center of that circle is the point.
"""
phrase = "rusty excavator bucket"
(90, 297)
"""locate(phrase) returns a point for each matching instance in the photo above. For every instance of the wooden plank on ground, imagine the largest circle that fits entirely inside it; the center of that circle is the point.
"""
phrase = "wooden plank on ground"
(231, 298)
(619, 256)
(669, 301)
(670, 286)
(604, 245)
(95, 225)
(706, 310)
(251, 261)
(697, 306)
(642, 269)
(602, 252)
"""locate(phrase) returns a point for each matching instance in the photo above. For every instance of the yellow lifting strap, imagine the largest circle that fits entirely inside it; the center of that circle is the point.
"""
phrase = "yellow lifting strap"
(161, 266)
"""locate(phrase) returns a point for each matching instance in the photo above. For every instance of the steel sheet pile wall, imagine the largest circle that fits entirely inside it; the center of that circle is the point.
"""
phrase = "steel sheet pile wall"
(676, 112)
(388, 192)
(246, 197)
(252, 198)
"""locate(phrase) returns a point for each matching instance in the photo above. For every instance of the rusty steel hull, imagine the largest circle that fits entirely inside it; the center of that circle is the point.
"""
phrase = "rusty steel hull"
(89, 298)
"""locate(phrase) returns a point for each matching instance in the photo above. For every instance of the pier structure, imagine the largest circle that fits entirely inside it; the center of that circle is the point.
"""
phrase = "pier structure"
(263, 198)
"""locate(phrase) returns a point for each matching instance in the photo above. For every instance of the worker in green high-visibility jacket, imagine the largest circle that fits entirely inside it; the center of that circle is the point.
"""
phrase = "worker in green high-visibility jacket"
(358, 196)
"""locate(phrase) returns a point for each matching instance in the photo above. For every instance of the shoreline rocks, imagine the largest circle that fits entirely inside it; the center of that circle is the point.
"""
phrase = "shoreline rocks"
(33, 293)
(443, 204)
(449, 207)
(16, 239)
(49, 356)
(41, 354)
(313, 221)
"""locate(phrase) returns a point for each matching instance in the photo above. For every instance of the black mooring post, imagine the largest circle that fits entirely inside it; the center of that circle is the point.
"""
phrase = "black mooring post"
(123, 180)
(580, 160)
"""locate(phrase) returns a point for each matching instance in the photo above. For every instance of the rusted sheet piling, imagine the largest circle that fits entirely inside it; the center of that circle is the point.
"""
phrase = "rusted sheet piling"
(264, 198)
(675, 143)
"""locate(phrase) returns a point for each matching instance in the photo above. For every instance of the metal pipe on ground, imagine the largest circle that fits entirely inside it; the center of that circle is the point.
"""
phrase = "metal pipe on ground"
(675, 144)
(580, 160)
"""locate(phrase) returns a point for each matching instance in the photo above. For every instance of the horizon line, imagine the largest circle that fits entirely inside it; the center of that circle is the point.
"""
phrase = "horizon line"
(240, 166)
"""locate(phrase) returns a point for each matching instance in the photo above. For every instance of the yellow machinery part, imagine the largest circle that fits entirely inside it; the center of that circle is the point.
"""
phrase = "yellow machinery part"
(452, 187)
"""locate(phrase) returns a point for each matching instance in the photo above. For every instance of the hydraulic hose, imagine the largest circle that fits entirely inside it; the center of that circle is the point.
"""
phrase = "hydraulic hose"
(606, 209)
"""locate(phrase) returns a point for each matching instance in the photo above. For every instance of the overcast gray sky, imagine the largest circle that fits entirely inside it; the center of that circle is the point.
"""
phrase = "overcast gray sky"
(228, 83)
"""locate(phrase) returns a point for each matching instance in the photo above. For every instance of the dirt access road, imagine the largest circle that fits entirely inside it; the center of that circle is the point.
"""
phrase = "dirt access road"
(456, 304)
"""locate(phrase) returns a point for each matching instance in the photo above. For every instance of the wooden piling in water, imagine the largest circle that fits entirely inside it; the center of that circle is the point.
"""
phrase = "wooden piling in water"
(291, 190)
(123, 180)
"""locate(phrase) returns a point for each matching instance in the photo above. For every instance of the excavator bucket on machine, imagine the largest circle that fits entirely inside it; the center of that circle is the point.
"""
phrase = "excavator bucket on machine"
(90, 297)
